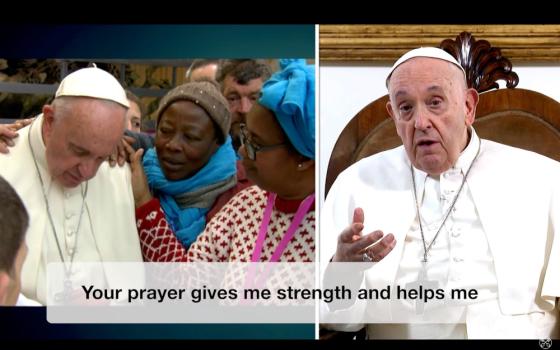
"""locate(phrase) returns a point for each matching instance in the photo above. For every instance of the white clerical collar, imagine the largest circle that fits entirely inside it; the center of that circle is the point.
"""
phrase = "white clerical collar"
(36, 140)
(469, 153)
(465, 159)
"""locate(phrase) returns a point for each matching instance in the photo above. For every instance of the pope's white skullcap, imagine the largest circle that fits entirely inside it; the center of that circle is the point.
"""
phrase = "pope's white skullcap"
(93, 82)
(431, 52)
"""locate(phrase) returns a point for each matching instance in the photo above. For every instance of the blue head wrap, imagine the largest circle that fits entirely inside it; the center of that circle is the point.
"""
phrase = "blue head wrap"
(290, 95)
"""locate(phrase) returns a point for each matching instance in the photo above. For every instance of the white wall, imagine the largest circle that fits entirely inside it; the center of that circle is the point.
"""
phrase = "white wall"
(345, 89)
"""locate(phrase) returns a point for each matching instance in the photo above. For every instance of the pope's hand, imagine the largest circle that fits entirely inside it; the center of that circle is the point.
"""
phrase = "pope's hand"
(352, 244)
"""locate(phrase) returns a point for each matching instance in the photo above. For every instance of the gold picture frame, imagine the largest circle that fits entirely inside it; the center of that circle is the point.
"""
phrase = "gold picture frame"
(385, 43)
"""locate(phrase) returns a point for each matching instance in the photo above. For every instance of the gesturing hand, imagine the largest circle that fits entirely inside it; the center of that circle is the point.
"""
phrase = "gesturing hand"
(353, 246)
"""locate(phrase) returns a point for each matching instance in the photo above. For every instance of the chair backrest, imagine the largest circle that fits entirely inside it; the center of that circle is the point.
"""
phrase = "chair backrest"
(517, 117)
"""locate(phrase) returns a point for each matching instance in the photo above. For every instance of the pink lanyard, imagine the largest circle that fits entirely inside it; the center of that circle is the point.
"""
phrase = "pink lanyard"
(302, 210)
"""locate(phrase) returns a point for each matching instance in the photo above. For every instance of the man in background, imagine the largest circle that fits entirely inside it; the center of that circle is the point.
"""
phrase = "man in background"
(135, 112)
(201, 69)
(241, 82)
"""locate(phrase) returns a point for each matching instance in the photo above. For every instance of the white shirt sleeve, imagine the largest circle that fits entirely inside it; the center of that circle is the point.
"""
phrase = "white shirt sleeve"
(23, 301)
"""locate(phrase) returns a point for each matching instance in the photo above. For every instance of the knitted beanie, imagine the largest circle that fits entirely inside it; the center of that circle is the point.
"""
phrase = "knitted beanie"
(204, 94)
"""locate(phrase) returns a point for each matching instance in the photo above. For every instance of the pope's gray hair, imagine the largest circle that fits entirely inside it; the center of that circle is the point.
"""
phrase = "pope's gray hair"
(63, 105)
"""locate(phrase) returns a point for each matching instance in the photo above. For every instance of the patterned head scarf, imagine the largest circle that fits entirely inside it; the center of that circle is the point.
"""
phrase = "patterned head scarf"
(290, 95)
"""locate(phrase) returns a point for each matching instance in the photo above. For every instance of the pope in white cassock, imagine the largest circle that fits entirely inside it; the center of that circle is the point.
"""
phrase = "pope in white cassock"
(449, 208)
(81, 210)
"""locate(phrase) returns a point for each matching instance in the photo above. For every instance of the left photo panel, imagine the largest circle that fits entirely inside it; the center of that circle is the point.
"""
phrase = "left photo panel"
(159, 181)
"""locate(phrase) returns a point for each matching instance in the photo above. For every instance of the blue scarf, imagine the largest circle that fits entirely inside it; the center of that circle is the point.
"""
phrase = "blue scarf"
(189, 222)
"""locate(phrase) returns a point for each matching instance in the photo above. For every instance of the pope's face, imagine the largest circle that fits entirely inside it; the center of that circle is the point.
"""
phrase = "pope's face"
(79, 136)
(432, 110)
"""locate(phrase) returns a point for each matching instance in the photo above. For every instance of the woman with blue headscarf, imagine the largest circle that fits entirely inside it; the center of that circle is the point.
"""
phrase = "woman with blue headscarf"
(274, 220)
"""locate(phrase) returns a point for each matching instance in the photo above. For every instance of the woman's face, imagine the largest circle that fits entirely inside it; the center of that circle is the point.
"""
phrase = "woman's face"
(185, 140)
(274, 169)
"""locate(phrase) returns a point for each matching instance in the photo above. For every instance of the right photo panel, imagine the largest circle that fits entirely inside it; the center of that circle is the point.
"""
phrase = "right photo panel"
(439, 181)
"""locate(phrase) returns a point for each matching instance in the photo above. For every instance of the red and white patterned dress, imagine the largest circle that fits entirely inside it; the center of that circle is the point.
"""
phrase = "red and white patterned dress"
(232, 232)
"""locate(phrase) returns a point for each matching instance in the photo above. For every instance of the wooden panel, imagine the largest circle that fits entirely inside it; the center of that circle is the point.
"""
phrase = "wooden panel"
(385, 43)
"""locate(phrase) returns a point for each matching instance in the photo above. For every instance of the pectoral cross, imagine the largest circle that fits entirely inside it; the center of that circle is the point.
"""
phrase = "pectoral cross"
(67, 294)
(422, 283)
